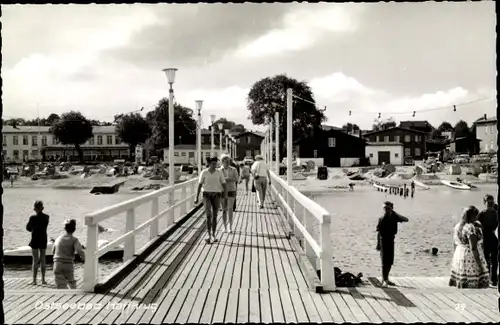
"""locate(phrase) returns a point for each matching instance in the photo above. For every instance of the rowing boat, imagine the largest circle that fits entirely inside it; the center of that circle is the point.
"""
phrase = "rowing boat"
(456, 185)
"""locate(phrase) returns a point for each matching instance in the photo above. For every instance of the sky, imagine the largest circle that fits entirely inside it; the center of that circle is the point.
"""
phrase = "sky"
(388, 58)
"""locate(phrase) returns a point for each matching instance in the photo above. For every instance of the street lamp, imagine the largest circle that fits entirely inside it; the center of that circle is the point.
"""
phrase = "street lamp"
(226, 132)
(170, 74)
(220, 125)
(212, 146)
(198, 105)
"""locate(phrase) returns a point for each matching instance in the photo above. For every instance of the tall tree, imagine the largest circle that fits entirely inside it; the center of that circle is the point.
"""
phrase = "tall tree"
(51, 119)
(461, 129)
(132, 129)
(349, 127)
(268, 96)
(184, 124)
(381, 124)
(73, 128)
(233, 127)
(445, 127)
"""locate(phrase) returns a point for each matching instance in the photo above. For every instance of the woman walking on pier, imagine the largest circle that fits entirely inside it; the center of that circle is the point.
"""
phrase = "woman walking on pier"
(37, 225)
(261, 176)
(231, 177)
(213, 183)
(387, 229)
(469, 269)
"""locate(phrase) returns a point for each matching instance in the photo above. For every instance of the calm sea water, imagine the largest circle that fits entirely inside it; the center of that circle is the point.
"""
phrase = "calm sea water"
(432, 214)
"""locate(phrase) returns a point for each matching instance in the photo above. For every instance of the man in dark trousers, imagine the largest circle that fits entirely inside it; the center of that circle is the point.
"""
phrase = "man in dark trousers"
(233, 164)
(387, 229)
(489, 222)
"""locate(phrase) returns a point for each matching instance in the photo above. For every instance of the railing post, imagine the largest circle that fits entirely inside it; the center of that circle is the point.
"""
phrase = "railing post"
(310, 253)
(326, 258)
(171, 214)
(294, 207)
(153, 230)
(90, 274)
(183, 197)
(129, 249)
(193, 193)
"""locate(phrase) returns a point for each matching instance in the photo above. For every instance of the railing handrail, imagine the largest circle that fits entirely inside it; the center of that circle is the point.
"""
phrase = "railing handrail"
(315, 209)
(108, 212)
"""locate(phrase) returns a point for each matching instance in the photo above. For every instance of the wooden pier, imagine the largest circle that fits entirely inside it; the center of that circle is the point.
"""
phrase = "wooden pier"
(254, 274)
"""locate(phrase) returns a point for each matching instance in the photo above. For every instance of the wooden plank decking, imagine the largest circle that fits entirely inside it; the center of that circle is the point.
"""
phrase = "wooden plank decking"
(251, 275)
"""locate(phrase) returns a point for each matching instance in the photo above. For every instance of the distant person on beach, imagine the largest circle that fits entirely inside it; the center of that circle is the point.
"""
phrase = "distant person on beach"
(489, 223)
(64, 250)
(213, 183)
(261, 176)
(469, 269)
(245, 175)
(412, 189)
(387, 229)
(37, 225)
(231, 177)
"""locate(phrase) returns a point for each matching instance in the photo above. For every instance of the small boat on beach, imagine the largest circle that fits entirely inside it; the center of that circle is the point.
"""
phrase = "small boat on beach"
(456, 185)
(420, 184)
(23, 255)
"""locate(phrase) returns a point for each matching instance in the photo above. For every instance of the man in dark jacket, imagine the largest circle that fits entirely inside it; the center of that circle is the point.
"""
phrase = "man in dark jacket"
(387, 229)
(489, 223)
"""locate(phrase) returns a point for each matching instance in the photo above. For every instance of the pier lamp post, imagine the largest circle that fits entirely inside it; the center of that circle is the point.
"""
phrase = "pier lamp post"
(278, 146)
(199, 163)
(221, 131)
(170, 74)
(226, 133)
(212, 143)
(289, 135)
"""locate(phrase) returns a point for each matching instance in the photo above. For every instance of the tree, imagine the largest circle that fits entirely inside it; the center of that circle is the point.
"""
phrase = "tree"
(268, 96)
(52, 118)
(380, 124)
(133, 129)
(445, 127)
(349, 127)
(436, 134)
(73, 128)
(184, 124)
(462, 129)
(233, 127)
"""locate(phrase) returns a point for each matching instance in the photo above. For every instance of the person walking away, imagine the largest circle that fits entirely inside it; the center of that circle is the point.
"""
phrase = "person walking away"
(412, 189)
(469, 269)
(37, 225)
(233, 164)
(213, 183)
(231, 177)
(261, 174)
(489, 223)
(387, 229)
(65, 248)
(245, 175)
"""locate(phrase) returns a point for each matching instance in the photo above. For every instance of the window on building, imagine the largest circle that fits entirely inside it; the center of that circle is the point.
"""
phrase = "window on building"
(407, 152)
(315, 154)
(417, 152)
(34, 153)
(183, 154)
(371, 155)
(486, 147)
(91, 141)
(4, 140)
(16, 154)
(34, 140)
(407, 138)
(109, 140)
(15, 140)
(207, 154)
(25, 153)
(176, 153)
(373, 138)
(249, 139)
(492, 145)
(396, 154)
(380, 138)
(238, 140)
(396, 138)
(386, 138)
(99, 140)
(117, 140)
(44, 140)
(391, 138)
(25, 140)
(331, 142)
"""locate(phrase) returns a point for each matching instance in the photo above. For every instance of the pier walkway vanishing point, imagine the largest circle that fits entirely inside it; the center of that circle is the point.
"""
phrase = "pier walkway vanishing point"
(270, 269)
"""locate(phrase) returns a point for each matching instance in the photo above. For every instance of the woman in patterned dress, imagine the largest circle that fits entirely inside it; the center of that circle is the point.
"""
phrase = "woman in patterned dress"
(468, 267)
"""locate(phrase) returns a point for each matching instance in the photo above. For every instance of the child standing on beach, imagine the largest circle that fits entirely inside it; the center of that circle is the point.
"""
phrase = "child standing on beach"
(65, 248)
(37, 225)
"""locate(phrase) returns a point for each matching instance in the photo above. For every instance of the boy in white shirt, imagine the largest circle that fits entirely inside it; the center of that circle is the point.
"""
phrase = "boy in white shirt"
(213, 183)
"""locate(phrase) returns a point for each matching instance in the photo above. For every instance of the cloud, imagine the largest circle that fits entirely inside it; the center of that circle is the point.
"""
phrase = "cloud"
(302, 28)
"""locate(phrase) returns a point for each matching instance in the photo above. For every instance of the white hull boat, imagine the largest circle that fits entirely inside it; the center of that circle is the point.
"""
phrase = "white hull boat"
(22, 255)
(456, 185)
(420, 184)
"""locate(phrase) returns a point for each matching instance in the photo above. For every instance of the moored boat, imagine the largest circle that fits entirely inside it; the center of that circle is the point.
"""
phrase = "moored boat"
(420, 184)
(455, 185)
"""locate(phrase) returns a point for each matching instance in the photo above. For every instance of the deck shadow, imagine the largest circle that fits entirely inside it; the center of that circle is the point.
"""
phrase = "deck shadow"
(393, 293)
(258, 247)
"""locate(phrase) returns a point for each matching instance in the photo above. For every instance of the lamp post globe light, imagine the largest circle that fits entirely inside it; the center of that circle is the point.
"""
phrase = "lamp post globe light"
(198, 105)
(221, 126)
(212, 143)
(170, 74)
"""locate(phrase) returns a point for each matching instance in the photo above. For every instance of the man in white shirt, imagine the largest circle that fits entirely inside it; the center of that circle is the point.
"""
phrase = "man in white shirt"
(213, 183)
(261, 177)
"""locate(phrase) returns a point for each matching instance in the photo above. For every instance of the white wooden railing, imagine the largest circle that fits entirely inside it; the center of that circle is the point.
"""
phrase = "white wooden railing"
(92, 252)
(300, 212)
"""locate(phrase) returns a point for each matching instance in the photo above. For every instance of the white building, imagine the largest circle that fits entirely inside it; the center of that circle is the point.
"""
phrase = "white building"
(186, 153)
(390, 153)
(486, 131)
(22, 143)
